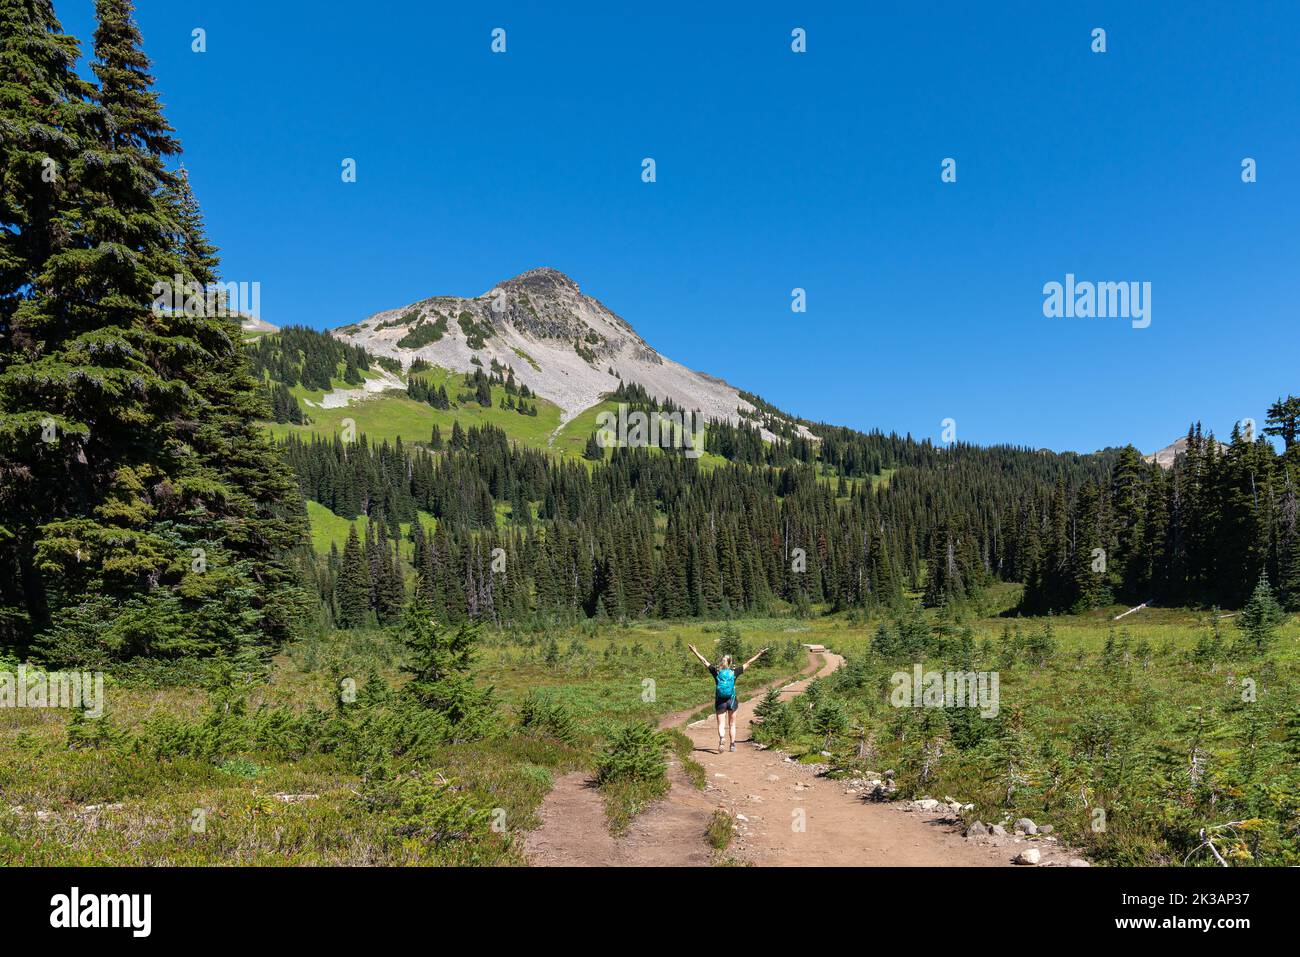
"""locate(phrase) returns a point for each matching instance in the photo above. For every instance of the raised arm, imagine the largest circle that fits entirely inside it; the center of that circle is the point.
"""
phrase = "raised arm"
(755, 658)
(704, 661)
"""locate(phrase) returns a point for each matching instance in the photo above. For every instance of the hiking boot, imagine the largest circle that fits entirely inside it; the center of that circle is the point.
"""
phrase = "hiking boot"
(733, 745)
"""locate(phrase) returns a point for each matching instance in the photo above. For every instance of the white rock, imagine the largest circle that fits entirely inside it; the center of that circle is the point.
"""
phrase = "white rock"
(1029, 855)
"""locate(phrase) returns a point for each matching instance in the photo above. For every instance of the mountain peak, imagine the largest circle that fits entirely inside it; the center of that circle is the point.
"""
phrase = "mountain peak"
(542, 279)
(567, 347)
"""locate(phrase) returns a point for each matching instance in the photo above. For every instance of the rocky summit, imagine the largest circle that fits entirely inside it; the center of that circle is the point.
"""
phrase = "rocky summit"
(565, 345)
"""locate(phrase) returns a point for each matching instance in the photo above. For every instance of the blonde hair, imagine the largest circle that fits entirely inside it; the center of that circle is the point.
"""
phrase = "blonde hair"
(726, 662)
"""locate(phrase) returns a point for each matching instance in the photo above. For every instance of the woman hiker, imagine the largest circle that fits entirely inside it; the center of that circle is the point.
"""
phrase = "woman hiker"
(724, 692)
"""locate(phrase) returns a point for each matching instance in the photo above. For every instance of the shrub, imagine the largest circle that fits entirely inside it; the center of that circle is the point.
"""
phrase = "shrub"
(770, 703)
(636, 752)
(423, 334)
(730, 643)
(781, 724)
(1260, 618)
(537, 713)
(829, 719)
(427, 806)
(720, 830)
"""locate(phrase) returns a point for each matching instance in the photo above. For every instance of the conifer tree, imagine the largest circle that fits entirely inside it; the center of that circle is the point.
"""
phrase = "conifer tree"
(1284, 421)
(193, 247)
(118, 412)
(353, 588)
(439, 664)
(43, 110)
(1260, 618)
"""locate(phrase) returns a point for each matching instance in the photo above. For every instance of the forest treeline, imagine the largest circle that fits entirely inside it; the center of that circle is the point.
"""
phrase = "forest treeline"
(650, 533)
(1203, 532)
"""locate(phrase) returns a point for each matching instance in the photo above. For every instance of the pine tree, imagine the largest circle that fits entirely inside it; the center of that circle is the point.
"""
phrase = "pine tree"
(1260, 618)
(351, 373)
(42, 113)
(391, 591)
(353, 588)
(1287, 534)
(1090, 561)
(43, 107)
(1284, 421)
(120, 412)
(193, 247)
(1128, 496)
(439, 664)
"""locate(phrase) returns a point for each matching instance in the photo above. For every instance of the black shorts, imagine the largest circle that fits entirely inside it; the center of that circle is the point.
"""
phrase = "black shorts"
(724, 704)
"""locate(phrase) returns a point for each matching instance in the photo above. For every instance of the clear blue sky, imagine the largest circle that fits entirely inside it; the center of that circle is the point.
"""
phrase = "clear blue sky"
(778, 170)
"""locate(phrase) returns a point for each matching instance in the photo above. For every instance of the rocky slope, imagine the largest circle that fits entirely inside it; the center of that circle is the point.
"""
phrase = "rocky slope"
(1165, 457)
(565, 346)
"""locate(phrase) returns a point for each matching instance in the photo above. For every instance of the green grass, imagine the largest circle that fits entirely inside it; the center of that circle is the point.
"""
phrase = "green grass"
(720, 831)
(261, 807)
(1087, 729)
(624, 800)
(527, 358)
(572, 439)
(683, 747)
(329, 529)
(391, 415)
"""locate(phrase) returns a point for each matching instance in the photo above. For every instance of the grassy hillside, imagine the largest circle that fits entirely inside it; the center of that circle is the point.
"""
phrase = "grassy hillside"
(329, 529)
(571, 439)
(391, 414)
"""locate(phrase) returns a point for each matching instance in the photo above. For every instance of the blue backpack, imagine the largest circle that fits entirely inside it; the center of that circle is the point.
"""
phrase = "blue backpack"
(726, 683)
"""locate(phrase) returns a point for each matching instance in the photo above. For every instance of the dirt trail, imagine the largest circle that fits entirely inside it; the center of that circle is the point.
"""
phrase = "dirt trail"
(769, 798)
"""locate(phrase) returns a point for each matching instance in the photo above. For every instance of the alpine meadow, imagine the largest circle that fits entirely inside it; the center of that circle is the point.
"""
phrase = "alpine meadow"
(443, 562)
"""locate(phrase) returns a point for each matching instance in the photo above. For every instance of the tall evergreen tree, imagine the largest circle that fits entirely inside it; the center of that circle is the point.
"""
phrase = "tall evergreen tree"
(118, 413)
(353, 588)
(1284, 421)
(439, 666)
